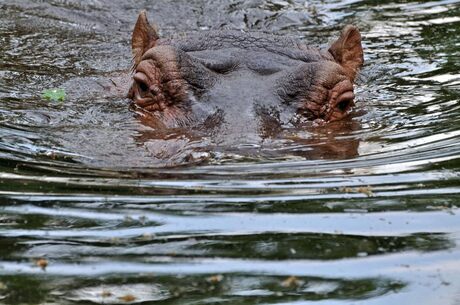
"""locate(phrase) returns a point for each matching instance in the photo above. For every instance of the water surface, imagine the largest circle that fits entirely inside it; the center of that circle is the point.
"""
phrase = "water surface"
(364, 211)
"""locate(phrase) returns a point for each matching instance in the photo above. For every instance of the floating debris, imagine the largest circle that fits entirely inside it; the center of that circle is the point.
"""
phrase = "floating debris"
(147, 237)
(55, 95)
(120, 294)
(106, 294)
(215, 279)
(128, 219)
(42, 263)
(128, 298)
(347, 190)
(115, 240)
(366, 190)
(292, 282)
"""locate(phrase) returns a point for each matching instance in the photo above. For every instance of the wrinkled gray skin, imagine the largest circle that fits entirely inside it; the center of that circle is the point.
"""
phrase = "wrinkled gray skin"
(241, 86)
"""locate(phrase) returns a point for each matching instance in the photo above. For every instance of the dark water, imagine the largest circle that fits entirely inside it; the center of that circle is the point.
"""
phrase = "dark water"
(361, 212)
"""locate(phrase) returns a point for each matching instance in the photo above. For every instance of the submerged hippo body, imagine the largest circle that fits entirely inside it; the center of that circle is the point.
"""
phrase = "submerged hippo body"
(240, 83)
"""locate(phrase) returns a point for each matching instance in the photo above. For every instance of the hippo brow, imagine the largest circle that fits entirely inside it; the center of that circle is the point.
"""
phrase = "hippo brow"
(215, 40)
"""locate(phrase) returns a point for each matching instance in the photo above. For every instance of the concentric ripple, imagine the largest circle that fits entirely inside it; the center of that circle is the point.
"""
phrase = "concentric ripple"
(363, 211)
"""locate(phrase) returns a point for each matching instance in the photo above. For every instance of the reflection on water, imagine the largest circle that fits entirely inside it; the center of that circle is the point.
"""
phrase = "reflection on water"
(363, 211)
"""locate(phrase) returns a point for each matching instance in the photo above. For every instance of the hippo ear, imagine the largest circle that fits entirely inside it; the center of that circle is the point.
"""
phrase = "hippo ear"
(347, 51)
(144, 37)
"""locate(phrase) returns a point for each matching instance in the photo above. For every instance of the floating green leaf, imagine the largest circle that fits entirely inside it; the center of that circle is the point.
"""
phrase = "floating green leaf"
(54, 95)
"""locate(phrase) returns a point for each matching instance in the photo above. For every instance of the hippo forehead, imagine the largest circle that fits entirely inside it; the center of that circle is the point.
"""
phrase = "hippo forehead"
(262, 53)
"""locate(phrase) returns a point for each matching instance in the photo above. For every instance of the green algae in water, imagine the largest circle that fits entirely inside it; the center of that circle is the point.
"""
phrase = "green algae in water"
(55, 95)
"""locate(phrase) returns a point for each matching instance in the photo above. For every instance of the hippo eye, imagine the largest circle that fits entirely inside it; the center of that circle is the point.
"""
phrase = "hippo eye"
(343, 105)
(345, 101)
(142, 82)
(142, 86)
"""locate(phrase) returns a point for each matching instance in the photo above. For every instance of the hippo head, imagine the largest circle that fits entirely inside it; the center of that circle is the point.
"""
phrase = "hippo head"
(244, 80)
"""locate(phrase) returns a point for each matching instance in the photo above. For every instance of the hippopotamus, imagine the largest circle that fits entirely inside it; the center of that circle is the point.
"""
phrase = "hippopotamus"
(237, 82)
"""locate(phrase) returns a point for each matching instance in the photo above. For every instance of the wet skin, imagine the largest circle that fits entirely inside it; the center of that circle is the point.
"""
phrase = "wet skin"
(239, 83)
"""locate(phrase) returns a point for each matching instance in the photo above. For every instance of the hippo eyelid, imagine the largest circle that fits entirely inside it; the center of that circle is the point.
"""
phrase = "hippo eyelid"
(345, 101)
(220, 67)
(141, 81)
